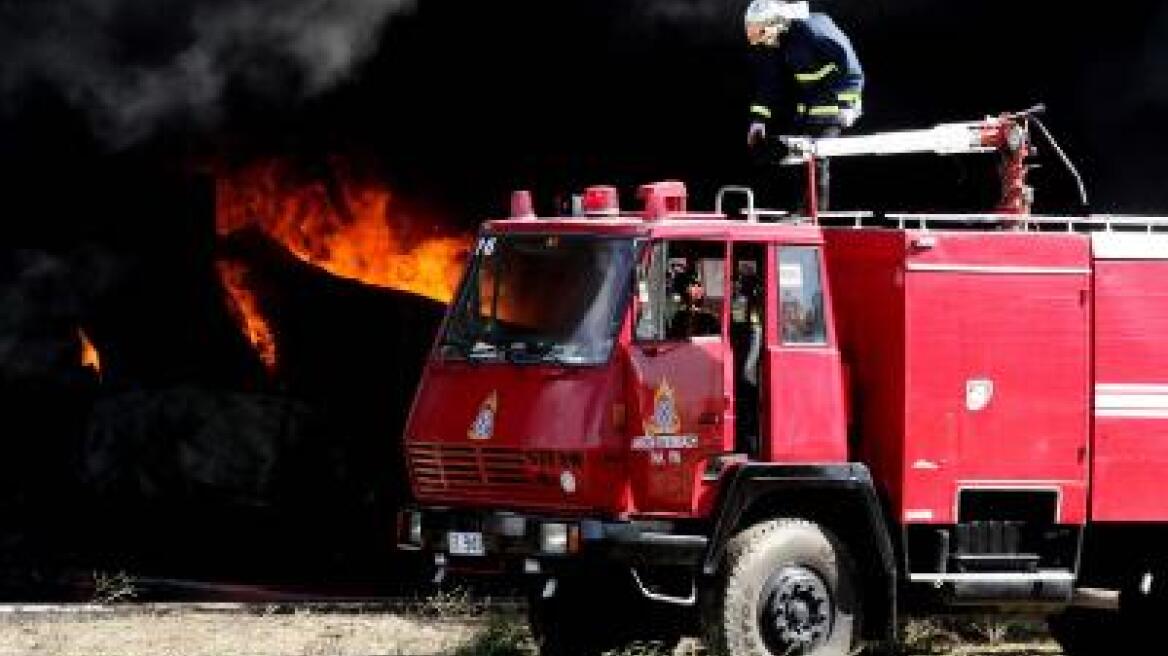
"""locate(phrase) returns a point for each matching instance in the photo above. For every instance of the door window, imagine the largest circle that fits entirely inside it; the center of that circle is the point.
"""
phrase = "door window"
(681, 291)
(801, 311)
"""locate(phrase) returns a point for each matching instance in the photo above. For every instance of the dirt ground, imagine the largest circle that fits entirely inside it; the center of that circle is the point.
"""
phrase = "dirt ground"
(308, 633)
(222, 634)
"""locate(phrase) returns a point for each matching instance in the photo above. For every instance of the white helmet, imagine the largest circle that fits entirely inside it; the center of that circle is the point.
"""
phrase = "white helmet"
(775, 13)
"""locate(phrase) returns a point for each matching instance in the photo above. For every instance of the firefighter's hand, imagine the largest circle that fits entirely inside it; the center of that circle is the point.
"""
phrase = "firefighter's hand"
(757, 134)
(849, 115)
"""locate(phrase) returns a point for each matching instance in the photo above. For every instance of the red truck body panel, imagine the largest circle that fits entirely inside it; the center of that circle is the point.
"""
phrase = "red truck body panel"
(1131, 378)
(971, 359)
(870, 324)
(544, 421)
(806, 428)
(694, 374)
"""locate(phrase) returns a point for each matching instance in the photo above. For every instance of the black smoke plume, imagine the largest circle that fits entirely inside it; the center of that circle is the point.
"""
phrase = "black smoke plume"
(134, 65)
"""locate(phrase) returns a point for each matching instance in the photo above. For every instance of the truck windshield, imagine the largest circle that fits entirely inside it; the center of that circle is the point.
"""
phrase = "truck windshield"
(541, 298)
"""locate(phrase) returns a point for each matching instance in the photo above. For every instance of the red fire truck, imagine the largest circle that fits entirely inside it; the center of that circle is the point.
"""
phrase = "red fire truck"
(781, 431)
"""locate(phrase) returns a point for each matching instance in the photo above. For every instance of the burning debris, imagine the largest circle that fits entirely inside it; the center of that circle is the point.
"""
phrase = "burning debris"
(190, 432)
(342, 224)
(339, 222)
(245, 305)
(90, 358)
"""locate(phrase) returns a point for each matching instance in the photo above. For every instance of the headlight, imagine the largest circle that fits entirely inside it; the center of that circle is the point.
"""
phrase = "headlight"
(556, 538)
(553, 538)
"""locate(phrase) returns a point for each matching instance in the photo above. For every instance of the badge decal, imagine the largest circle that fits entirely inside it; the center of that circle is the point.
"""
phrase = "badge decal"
(483, 426)
(663, 426)
(665, 419)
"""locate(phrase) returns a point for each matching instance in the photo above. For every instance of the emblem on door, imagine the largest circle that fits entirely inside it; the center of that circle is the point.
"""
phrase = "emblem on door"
(661, 429)
(665, 419)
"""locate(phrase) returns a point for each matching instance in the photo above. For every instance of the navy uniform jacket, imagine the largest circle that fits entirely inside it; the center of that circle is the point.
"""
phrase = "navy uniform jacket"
(805, 82)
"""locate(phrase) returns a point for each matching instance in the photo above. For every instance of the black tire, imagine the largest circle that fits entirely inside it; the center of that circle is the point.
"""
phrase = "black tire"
(760, 603)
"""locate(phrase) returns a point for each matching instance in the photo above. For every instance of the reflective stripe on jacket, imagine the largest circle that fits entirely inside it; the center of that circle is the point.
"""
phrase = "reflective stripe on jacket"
(809, 78)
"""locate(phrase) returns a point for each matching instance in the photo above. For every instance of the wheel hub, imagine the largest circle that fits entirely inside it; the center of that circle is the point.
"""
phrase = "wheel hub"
(796, 611)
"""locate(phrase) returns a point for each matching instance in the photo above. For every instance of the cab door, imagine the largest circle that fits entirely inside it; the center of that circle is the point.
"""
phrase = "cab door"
(805, 380)
(678, 410)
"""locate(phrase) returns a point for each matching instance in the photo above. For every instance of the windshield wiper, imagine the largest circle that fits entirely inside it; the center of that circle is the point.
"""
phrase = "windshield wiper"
(471, 348)
(485, 351)
(538, 351)
(530, 351)
(523, 352)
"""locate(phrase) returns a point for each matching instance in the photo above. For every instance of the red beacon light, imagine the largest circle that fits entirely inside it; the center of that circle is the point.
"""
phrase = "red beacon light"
(522, 206)
(601, 201)
(661, 199)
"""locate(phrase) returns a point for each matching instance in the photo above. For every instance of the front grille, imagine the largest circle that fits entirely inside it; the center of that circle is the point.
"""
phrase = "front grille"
(470, 470)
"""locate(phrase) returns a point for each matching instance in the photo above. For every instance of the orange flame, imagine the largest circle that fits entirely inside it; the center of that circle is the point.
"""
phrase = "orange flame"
(346, 227)
(89, 356)
(246, 307)
(338, 223)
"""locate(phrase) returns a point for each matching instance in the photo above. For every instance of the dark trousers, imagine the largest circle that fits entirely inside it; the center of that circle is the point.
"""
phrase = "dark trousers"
(786, 186)
(823, 170)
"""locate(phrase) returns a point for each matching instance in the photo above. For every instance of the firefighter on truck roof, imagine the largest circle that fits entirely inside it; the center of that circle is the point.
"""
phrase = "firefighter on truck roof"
(807, 77)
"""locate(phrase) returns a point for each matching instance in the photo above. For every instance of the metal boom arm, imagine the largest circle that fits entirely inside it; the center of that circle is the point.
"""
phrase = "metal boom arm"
(944, 139)
(1008, 135)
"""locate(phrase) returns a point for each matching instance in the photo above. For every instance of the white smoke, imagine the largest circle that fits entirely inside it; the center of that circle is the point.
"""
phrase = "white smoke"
(80, 47)
(695, 21)
(720, 21)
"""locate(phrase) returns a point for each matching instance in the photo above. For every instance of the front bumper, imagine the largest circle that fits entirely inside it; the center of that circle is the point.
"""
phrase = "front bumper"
(518, 542)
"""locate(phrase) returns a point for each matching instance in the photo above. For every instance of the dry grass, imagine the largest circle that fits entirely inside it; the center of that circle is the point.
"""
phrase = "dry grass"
(451, 623)
(223, 634)
(977, 636)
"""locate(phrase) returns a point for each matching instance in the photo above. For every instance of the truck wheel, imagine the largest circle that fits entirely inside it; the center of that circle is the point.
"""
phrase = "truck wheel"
(787, 588)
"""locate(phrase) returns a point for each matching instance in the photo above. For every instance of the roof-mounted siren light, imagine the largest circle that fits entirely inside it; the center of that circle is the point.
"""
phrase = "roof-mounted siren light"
(601, 201)
(522, 207)
(661, 199)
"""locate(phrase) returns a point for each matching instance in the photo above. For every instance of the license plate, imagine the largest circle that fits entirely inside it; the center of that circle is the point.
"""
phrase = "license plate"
(466, 544)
